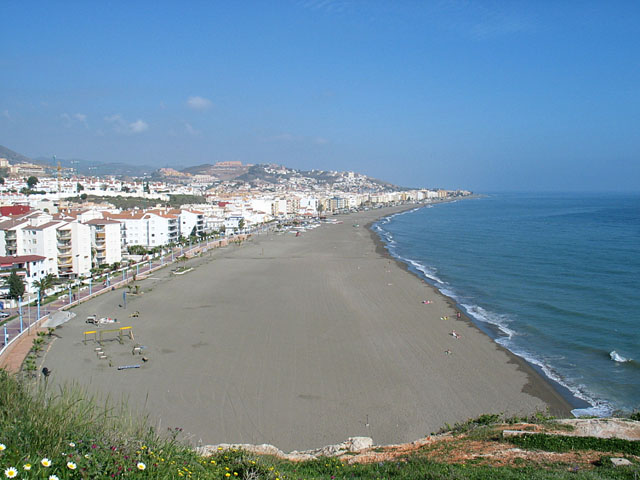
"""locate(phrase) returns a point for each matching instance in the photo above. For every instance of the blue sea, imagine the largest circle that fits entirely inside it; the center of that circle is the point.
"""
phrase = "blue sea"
(553, 278)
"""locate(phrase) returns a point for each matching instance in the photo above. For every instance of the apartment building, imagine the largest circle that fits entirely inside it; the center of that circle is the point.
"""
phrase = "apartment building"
(73, 240)
(29, 267)
(106, 241)
(191, 222)
(150, 229)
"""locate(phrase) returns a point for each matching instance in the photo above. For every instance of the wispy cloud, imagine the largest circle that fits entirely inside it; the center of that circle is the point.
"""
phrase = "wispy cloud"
(120, 125)
(199, 103)
(191, 130)
(70, 119)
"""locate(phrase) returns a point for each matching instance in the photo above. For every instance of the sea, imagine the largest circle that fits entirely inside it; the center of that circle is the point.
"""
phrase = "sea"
(554, 278)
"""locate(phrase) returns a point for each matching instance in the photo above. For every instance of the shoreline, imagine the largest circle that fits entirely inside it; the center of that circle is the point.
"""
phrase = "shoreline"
(298, 342)
(559, 398)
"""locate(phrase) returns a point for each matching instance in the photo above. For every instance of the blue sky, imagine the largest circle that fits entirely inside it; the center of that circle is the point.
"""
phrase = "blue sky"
(486, 95)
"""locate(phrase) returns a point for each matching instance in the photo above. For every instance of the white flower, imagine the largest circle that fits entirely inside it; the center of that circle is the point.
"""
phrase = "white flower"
(11, 472)
(71, 444)
(71, 466)
(27, 466)
(45, 462)
(2, 447)
(53, 477)
(141, 466)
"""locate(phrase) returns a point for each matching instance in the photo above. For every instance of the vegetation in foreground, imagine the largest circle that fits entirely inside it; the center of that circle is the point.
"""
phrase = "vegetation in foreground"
(64, 433)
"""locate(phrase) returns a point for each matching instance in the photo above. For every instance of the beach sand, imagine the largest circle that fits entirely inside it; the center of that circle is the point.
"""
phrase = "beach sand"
(299, 342)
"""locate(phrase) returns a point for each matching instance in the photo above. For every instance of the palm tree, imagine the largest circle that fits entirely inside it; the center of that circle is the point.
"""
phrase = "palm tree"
(44, 283)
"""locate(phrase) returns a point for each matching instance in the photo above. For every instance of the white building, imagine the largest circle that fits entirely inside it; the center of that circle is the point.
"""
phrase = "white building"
(106, 241)
(29, 267)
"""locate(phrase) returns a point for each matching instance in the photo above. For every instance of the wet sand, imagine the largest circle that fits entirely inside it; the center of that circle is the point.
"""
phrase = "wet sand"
(299, 342)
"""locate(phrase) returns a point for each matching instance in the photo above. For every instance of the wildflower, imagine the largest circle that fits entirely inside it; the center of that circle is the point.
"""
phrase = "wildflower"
(45, 462)
(71, 444)
(2, 447)
(213, 462)
(141, 466)
(53, 477)
(227, 474)
(10, 472)
(71, 466)
(27, 466)
(86, 455)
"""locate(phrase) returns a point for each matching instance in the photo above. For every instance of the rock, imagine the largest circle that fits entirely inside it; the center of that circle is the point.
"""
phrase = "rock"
(352, 445)
(603, 428)
(620, 462)
(359, 443)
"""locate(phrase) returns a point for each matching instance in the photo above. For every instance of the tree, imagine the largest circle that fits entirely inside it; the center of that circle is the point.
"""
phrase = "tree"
(44, 283)
(32, 182)
(83, 197)
(15, 284)
(320, 209)
(79, 187)
(1, 180)
(241, 224)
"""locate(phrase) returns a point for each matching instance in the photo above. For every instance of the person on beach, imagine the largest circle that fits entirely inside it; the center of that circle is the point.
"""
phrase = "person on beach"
(458, 315)
(454, 334)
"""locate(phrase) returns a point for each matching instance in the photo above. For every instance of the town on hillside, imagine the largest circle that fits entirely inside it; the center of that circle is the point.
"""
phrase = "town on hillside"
(58, 224)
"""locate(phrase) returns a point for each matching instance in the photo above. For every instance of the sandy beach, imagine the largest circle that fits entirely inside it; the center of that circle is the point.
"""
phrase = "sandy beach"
(298, 342)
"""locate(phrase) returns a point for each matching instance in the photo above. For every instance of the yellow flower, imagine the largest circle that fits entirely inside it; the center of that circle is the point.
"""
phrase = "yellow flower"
(213, 461)
(235, 474)
(11, 472)
(45, 462)
(141, 466)
(227, 474)
(2, 447)
(27, 466)
(219, 448)
(71, 466)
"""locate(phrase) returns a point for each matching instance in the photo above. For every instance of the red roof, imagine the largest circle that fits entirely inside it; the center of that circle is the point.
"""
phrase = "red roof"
(12, 210)
(6, 261)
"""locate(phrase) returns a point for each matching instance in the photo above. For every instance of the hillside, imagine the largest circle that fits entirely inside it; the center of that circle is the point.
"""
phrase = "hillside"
(13, 157)
(68, 433)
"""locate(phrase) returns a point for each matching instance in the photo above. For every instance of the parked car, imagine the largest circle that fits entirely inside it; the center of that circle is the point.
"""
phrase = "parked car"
(5, 314)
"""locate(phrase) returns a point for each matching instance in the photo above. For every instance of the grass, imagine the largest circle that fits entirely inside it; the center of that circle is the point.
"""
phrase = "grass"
(556, 443)
(65, 433)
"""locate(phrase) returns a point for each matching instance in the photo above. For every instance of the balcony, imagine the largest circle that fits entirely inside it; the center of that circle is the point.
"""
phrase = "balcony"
(64, 235)
(10, 235)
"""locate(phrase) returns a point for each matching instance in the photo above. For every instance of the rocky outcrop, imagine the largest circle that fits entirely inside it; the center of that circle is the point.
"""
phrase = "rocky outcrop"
(351, 445)
(362, 449)
(603, 428)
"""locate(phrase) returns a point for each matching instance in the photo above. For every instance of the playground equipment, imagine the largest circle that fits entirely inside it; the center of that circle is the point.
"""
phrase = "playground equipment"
(99, 335)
